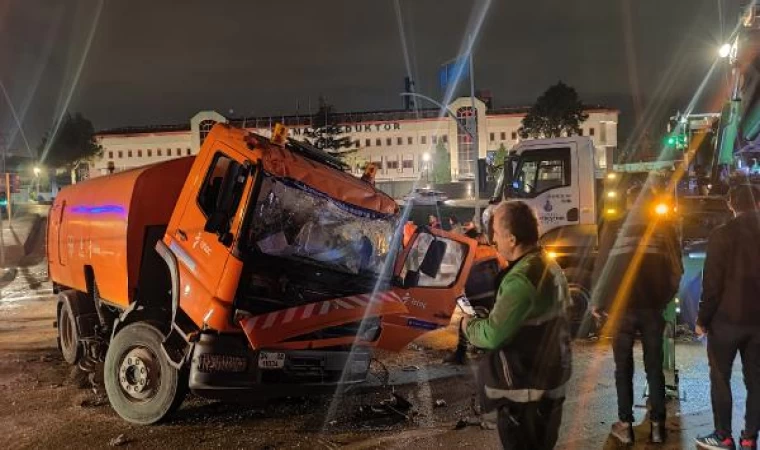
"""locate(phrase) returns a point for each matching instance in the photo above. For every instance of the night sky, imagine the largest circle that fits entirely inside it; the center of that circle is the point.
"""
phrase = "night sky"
(156, 62)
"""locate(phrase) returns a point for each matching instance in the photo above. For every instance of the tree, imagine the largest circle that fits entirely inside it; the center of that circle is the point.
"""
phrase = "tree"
(556, 111)
(73, 143)
(498, 161)
(325, 132)
(441, 164)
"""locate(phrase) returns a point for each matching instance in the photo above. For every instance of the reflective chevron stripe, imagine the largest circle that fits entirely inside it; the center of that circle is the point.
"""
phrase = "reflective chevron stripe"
(303, 312)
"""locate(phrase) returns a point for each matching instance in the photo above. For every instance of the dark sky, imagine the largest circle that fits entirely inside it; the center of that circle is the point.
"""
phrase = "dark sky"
(160, 61)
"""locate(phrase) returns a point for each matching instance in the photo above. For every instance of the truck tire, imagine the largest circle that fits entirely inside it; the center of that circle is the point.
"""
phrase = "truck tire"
(68, 335)
(581, 322)
(142, 386)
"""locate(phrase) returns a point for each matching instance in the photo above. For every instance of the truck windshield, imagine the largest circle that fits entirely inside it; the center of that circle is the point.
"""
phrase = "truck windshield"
(294, 221)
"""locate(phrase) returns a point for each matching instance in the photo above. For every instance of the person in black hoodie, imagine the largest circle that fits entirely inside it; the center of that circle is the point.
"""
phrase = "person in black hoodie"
(728, 314)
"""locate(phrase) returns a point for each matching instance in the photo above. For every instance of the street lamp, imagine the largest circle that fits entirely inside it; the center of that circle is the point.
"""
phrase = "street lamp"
(37, 171)
(724, 50)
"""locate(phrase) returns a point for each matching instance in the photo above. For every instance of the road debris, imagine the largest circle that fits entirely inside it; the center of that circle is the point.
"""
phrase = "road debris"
(118, 441)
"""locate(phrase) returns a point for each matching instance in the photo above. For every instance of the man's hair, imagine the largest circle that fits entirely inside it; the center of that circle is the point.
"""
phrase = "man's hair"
(453, 219)
(744, 198)
(520, 219)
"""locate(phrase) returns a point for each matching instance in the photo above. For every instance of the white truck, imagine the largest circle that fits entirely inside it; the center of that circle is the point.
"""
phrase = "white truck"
(572, 195)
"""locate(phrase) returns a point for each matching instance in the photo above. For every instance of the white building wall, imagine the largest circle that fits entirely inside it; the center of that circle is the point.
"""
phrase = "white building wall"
(127, 151)
(387, 142)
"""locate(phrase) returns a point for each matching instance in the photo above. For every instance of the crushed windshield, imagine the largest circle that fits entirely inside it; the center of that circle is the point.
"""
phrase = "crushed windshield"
(294, 221)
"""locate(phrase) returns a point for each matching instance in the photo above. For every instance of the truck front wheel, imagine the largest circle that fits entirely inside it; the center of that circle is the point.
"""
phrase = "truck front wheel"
(142, 386)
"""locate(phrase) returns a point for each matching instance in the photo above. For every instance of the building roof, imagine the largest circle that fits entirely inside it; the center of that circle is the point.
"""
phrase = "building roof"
(145, 129)
(343, 118)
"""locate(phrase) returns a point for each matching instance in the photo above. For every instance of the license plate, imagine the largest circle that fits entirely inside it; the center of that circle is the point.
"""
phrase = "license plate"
(271, 360)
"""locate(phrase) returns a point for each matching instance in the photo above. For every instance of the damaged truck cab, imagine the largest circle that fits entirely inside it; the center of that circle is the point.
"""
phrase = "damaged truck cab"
(253, 269)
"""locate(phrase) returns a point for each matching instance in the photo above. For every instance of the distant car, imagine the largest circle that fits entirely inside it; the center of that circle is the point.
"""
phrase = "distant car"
(424, 196)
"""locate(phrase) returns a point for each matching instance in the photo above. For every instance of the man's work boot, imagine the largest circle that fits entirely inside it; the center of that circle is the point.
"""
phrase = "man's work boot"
(658, 433)
(623, 432)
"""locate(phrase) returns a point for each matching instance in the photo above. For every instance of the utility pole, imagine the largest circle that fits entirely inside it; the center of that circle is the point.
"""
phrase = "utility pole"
(474, 132)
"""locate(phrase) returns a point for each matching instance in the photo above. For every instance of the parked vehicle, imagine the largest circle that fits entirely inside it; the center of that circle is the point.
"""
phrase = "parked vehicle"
(425, 196)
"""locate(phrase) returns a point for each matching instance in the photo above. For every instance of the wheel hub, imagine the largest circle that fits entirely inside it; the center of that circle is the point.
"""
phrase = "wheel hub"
(138, 374)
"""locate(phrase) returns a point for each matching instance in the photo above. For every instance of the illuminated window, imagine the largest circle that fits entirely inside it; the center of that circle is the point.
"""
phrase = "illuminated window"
(205, 127)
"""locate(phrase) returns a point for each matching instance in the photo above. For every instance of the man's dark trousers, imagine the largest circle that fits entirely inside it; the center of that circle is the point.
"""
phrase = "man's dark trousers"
(651, 324)
(531, 425)
(724, 341)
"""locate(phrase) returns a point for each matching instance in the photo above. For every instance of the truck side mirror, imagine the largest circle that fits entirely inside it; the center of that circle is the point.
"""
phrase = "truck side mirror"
(431, 264)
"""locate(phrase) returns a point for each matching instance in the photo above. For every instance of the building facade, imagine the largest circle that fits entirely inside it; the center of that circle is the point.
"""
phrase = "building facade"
(400, 143)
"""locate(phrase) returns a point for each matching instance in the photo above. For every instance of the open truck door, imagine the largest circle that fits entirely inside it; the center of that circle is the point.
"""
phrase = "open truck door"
(429, 277)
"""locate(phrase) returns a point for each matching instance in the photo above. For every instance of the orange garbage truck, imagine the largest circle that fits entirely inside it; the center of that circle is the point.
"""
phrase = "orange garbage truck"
(257, 268)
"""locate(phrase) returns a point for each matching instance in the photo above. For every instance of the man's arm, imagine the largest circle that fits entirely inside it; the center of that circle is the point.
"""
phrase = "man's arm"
(514, 302)
(712, 280)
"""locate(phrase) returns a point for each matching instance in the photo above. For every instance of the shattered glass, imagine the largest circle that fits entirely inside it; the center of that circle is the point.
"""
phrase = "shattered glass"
(292, 220)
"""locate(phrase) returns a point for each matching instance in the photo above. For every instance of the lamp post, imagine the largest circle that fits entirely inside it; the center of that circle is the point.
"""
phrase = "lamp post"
(37, 171)
(426, 160)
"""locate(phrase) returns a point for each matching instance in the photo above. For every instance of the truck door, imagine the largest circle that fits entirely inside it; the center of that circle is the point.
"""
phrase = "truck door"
(429, 291)
(203, 253)
(547, 179)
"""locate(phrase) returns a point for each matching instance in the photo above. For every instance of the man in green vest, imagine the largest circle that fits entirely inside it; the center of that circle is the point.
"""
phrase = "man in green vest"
(523, 376)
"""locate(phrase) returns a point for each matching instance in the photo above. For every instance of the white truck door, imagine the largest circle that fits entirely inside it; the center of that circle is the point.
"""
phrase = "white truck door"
(547, 177)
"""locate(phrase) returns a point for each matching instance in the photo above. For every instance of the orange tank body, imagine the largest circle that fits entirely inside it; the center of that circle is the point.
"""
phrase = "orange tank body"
(100, 225)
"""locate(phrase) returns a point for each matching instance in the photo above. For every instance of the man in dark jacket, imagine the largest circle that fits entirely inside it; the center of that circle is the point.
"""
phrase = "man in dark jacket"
(524, 374)
(729, 313)
(637, 273)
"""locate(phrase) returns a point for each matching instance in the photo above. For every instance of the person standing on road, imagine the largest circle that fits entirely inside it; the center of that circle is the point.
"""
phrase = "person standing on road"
(728, 314)
(523, 376)
(637, 273)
